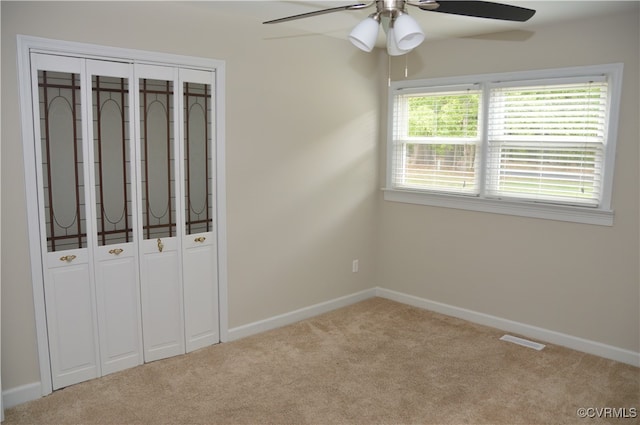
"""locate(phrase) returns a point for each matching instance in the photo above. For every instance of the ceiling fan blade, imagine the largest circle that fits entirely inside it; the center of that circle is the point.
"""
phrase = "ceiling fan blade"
(319, 12)
(481, 9)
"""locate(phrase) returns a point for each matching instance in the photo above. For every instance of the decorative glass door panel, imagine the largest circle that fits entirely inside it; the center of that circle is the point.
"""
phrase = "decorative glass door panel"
(157, 141)
(197, 157)
(62, 160)
(112, 159)
(199, 241)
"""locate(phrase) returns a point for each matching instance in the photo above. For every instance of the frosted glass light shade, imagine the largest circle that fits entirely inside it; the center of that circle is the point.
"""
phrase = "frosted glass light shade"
(364, 35)
(408, 33)
(392, 46)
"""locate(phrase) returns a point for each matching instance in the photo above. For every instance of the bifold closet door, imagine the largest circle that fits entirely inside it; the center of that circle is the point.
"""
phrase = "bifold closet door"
(84, 126)
(125, 165)
(114, 219)
(160, 252)
(62, 162)
(200, 269)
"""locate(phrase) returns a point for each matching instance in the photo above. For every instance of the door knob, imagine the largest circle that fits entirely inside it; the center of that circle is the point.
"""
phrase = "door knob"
(160, 245)
(116, 251)
(200, 239)
(68, 258)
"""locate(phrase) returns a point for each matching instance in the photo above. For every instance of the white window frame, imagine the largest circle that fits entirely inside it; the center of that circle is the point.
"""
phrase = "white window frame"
(600, 215)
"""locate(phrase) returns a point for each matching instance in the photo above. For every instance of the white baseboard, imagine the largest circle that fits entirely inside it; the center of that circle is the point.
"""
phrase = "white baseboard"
(546, 335)
(298, 315)
(14, 396)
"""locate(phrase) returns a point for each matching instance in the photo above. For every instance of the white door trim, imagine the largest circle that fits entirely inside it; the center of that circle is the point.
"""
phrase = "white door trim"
(25, 46)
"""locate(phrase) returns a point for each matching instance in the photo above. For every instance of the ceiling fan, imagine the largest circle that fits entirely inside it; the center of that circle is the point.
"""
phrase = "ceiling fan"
(403, 32)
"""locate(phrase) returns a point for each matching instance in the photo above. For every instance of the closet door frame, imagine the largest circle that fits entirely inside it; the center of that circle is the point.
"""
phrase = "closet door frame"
(27, 45)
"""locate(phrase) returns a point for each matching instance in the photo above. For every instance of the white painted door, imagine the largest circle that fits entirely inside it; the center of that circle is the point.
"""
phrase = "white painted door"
(118, 307)
(113, 214)
(159, 218)
(62, 162)
(200, 268)
(71, 318)
(200, 291)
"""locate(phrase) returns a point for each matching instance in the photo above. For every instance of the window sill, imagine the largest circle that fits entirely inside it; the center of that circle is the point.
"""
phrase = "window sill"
(524, 209)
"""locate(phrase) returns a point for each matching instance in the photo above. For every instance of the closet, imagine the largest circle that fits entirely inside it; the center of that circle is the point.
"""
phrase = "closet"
(125, 170)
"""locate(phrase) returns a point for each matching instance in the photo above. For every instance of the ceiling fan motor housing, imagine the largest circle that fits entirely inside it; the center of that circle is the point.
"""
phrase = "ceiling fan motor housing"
(390, 7)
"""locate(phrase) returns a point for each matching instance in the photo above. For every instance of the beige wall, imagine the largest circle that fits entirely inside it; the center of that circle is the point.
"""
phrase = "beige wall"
(301, 156)
(577, 279)
(305, 161)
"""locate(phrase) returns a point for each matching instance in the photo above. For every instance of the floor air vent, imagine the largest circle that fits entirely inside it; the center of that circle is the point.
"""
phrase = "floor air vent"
(523, 342)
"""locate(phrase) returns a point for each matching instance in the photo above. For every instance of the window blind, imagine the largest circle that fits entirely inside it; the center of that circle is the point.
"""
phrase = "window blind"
(547, 142)
(435, 137)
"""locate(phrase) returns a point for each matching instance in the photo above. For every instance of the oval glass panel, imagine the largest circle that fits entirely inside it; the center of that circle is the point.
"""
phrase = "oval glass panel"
(62, 164)
(113, 165)
(158, 168)
(197, 163)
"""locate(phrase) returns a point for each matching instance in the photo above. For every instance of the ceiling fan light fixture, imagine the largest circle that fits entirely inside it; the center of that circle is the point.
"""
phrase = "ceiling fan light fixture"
(407, 32)
(365, 34)
(392, 46)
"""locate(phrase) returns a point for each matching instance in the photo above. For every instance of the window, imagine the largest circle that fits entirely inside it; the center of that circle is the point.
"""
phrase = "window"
(436, 135)
(539, 143)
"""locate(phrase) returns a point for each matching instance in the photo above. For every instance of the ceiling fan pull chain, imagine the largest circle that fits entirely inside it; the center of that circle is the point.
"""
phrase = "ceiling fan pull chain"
(406, 65)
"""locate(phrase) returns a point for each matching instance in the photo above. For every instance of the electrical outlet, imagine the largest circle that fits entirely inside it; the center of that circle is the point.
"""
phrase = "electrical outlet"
(354, 266)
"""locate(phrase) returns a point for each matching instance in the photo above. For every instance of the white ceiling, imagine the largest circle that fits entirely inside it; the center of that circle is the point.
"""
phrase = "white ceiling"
(435, 25)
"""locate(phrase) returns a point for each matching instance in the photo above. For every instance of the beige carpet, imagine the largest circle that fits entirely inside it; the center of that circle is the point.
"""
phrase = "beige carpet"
(375, 362)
